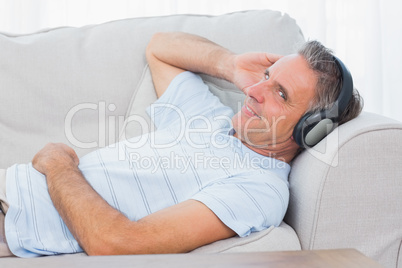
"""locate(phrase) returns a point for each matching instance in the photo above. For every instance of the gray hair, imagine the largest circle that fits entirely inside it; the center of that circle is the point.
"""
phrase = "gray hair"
(329, 81)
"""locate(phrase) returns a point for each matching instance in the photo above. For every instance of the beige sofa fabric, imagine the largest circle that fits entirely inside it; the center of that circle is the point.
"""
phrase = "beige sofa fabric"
(272, 239)
(351, 198)
(137, 121)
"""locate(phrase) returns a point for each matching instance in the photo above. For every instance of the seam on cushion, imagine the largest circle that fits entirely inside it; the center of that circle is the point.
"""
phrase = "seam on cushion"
(398, 257)
(317, 212)
(319, 200)
(42, 31)
(242, 242)
(144, 71)
(132, 99)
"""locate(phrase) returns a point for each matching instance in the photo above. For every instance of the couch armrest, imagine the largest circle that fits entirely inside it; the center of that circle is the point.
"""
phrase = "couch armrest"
(351, 196)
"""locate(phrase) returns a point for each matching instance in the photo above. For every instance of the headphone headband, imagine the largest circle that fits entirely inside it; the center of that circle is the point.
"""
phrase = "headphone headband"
(346, 91)
(313, 127)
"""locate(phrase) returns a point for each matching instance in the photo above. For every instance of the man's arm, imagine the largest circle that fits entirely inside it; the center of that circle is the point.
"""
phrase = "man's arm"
(169, 54)
(102, 230)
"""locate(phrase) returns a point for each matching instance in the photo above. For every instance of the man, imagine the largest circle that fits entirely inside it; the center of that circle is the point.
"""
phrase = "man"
(105, 204)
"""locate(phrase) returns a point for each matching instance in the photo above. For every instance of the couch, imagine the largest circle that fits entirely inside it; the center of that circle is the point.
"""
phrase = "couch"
(88, 87)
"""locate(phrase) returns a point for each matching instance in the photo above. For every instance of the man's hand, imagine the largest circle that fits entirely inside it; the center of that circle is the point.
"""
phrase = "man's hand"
(249, 68)
(53, 157)
(171, 53)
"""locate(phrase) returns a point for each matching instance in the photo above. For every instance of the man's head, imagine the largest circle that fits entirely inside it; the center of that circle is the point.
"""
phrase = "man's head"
(296, 84)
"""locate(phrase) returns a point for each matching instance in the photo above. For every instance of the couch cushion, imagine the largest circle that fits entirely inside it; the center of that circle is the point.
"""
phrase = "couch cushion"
(74, 85)
(278, 238)
(137, 121)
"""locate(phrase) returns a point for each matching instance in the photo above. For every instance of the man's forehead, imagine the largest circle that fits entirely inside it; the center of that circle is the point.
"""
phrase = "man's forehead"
(293, 63)
(282, 66)
(286, 58)
(293, 73)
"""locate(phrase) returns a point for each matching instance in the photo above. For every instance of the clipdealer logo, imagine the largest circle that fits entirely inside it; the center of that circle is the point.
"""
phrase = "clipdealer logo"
(108, 125)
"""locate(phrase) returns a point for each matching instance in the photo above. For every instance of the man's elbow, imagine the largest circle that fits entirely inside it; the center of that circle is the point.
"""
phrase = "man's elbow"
(152, 45)
(102, 251)
(99, 251)
(105, 247)
(97, 246)
(111, 242)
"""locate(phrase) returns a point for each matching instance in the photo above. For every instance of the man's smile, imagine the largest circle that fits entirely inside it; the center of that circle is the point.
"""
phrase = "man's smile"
(249, 111)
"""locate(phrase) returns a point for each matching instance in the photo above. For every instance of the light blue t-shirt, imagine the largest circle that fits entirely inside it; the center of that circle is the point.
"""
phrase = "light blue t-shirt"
(190, 156)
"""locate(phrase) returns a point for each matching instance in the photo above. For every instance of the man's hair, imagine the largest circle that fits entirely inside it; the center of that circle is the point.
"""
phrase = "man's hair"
(329, 81)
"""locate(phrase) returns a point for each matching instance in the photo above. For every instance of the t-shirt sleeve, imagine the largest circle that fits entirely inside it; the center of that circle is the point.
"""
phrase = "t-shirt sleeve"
(247, 204)
(186, 97)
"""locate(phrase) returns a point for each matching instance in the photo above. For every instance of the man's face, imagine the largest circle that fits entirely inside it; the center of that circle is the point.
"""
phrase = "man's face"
(274, 105)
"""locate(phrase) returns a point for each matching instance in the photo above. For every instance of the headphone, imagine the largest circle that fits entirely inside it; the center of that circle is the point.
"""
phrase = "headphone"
(315, 126)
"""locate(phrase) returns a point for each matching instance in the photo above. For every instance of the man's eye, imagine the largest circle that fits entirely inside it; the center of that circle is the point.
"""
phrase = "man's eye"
(266, 76)
(283, 96)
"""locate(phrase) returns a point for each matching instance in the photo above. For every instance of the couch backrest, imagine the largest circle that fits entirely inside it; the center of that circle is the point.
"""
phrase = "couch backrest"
(347, 190)
(75, 85)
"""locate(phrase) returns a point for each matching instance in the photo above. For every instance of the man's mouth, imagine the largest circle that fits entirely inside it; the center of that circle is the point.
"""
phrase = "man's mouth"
(247, 110)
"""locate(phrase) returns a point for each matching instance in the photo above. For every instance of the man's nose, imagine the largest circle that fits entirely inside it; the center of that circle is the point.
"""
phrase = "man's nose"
(258, 90)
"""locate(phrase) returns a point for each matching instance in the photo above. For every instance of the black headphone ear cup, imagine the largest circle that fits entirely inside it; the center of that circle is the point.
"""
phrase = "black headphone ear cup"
(298, 130)
(312, 128)
(317, 131)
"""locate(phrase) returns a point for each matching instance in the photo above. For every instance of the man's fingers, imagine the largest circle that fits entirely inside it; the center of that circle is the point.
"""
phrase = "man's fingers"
(272, 58)
(52, 154)
(70, 151)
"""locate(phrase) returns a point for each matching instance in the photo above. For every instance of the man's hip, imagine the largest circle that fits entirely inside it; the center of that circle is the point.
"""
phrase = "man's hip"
(4, 250)
(3, 197)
